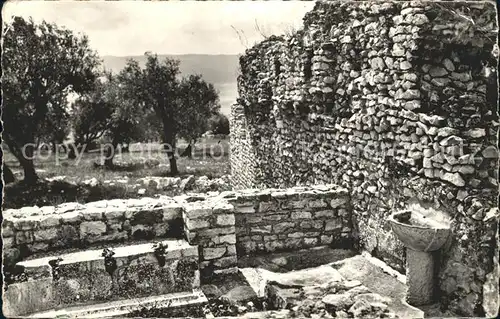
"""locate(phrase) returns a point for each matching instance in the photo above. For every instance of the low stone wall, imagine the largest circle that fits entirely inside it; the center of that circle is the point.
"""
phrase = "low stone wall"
(222, 225)
(31, 230)
(210, 224)
(270, 220)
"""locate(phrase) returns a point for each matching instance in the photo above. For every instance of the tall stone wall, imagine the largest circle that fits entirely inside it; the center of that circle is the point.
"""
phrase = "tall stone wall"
(242, 152)
(397, 102)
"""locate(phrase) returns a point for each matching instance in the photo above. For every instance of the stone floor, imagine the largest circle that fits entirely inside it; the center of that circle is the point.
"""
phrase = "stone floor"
(319, 282)
(314, 268)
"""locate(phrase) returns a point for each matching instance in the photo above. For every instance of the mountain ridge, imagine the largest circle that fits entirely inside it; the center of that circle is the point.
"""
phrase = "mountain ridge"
(215, 68)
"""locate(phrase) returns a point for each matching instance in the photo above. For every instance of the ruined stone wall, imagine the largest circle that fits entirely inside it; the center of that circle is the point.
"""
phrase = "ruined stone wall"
(34, 230)
(241, 151)
(209, 223)
(397, 102)
(297, 218)
(222, 226)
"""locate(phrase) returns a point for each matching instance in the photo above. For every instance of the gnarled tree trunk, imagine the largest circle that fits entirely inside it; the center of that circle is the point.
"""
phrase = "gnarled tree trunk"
(169, 146)
(8, 176)
(24, 155)
(110, 155)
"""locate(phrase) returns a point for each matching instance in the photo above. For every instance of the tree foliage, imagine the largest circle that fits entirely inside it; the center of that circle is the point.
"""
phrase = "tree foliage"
(219, 124)
(155, 88)
(91, 114)
(183, 107)
(40, 63)
(57, 124)
(123, 125)
(197, 102)
(106, 113)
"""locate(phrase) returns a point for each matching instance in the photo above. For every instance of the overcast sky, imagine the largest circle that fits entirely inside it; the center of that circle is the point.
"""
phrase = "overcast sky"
(175, 27)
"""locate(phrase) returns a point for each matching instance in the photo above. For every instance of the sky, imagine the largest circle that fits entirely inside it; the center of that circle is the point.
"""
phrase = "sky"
(123, 28)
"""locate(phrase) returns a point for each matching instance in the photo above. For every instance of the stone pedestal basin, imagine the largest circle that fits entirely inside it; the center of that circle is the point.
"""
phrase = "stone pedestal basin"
(421, 235)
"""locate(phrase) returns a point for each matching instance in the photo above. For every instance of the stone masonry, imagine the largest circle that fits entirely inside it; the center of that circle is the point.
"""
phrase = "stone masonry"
(397, 103)
(291, 219)
(222, 226)
(36, 230)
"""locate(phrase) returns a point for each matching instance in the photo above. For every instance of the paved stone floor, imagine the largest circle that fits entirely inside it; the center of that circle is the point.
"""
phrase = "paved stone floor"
(319, 283)
(363, 274)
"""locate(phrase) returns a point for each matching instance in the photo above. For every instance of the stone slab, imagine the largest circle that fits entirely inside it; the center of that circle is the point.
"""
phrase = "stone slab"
(380, 280)
(121, 308)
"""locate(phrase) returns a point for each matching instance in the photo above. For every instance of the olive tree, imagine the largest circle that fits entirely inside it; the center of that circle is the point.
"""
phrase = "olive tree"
(40, 62)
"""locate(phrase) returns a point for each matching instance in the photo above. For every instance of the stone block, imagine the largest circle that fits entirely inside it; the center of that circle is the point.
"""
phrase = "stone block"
(92, 229)
(45, 234)
(268, 206)
(333, 225)
(193, 224)
(49, 221)
(261, 229)
(253, 219)
(326, 240)
(226, 262)
(329, 213)
(225, 220)
(226, 271)
(223, 208)
(256, 237)
(337, 202)
(28, 297)
(230, 250)
(270, 237)
(196, 212)
(282, 227)
(316, 224)
(8, 242)
(24, 237)
(8, 228)
(225, 239)
(275, 217)
(212, 232)
(296, 235)
(301, 215)
(294, 204)
(213, 253)
(319, 203)
(116, 213)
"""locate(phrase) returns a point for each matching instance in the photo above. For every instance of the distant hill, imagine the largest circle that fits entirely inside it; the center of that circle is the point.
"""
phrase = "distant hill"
(220, 70)
(213, 68)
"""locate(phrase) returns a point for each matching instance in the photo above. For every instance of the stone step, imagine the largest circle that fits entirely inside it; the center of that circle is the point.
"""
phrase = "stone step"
(121, 308)
(131, 271)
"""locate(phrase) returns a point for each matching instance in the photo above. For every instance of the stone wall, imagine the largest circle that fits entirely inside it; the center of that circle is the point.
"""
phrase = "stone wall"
(270, 220)
(33, 230)
(222, 226)
(397, 102)
(209, 223)
(241, 151)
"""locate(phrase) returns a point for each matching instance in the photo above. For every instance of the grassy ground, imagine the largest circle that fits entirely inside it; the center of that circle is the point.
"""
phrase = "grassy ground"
(210, 158)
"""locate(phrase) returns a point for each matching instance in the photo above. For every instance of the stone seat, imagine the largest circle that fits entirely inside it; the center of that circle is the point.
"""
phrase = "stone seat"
(78, 278)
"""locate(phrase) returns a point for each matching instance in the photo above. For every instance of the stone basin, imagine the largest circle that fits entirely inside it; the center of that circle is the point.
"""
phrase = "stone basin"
(419, 232)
